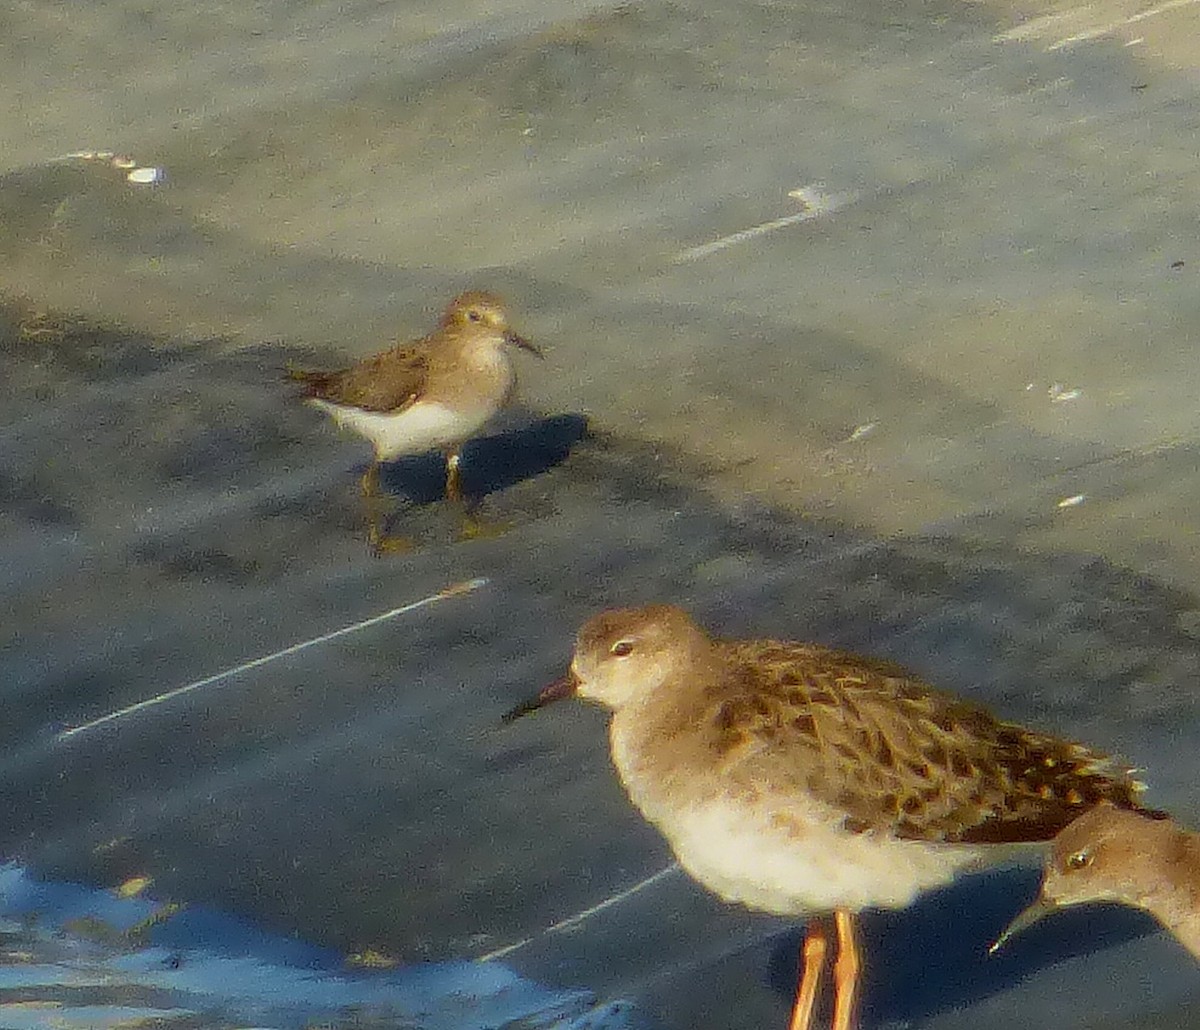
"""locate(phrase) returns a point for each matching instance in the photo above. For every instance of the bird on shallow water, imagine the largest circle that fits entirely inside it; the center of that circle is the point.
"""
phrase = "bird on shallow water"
(434, 393)
(800, 780)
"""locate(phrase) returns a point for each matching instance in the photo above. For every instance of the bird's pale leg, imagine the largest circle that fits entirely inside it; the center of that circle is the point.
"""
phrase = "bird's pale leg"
(473, 528)
(372, 498)
(812, 966)
(453, 478)
(370, 481)
(845, 972)
(371, 495)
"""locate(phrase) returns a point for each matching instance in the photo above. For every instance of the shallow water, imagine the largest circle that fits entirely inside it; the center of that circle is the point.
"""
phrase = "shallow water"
(78, 957)
(950, 420)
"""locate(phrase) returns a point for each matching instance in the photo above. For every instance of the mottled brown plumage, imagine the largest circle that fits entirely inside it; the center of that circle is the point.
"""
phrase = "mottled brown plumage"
(390, 381)
(896, 755)
(800, 779)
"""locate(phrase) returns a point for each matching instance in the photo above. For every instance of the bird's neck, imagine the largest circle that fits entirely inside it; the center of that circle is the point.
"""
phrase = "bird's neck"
(485, 361)
(1173, 896)
(658, 741)
(484, 354)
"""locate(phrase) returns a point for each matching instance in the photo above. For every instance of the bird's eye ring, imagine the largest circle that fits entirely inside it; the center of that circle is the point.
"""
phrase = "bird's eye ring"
(474, 315)
(1079, 860)
(622, 648)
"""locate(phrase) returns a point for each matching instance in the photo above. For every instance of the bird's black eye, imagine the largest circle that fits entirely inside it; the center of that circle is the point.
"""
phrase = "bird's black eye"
(622, 648)
(475, 315)
(1079, 860)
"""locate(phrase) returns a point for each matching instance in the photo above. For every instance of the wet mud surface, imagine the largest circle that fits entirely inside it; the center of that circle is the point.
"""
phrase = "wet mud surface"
(949, 419)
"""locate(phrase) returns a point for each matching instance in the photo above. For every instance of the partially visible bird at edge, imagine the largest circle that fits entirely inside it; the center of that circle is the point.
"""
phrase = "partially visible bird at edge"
(802, 780)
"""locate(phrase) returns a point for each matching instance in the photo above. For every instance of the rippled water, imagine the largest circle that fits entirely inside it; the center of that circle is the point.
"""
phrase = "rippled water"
(78, 957)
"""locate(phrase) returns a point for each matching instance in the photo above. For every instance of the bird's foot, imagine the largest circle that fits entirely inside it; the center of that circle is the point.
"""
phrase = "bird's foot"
(474, 528)
(381, 544)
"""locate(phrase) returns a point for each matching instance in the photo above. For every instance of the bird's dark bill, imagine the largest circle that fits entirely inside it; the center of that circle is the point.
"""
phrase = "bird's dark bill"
(1034, 913)
(557, 690)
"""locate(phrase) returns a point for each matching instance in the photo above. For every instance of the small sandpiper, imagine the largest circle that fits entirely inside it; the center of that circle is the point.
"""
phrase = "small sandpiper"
(801, 780)
(433, 393)
(1129, 858)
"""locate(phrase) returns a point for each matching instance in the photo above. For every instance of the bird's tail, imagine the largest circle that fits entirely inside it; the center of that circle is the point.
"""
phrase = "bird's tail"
(313, 380)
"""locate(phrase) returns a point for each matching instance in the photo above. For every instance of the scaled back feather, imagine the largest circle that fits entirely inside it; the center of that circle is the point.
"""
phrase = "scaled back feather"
(937, 768)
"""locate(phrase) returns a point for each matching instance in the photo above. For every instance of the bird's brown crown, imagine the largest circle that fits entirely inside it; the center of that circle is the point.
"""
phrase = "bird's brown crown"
(624, 654)
(476, 308)
(1102, 854)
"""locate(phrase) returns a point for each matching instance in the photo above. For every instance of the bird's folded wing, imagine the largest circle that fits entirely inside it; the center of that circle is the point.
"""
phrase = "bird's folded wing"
(901, 758)
(387, 382)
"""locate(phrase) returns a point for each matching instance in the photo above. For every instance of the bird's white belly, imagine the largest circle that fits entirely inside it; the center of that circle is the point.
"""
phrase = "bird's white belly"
(424, 426)
(740, 853)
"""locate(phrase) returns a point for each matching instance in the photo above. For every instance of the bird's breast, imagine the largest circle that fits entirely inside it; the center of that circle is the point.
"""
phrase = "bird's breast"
(771, 847)
(491, 374)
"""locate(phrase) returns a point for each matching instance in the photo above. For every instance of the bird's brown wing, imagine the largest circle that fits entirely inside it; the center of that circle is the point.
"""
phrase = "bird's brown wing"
(899, 757)
(387, 382)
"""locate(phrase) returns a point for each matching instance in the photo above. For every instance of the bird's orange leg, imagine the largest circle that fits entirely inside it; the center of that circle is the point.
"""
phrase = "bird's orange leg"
(812, 966)
(845, 972)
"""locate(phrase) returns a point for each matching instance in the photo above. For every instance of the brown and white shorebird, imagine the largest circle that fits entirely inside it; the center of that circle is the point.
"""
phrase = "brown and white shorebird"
(434, 393)
(801, 780)
(1113, 855)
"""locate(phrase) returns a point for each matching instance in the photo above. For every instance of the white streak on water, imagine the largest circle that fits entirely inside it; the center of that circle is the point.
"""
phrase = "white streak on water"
(453, 590)
(587, 913)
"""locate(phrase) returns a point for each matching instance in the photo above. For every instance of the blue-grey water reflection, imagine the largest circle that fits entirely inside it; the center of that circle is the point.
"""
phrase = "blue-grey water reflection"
(74, 957)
